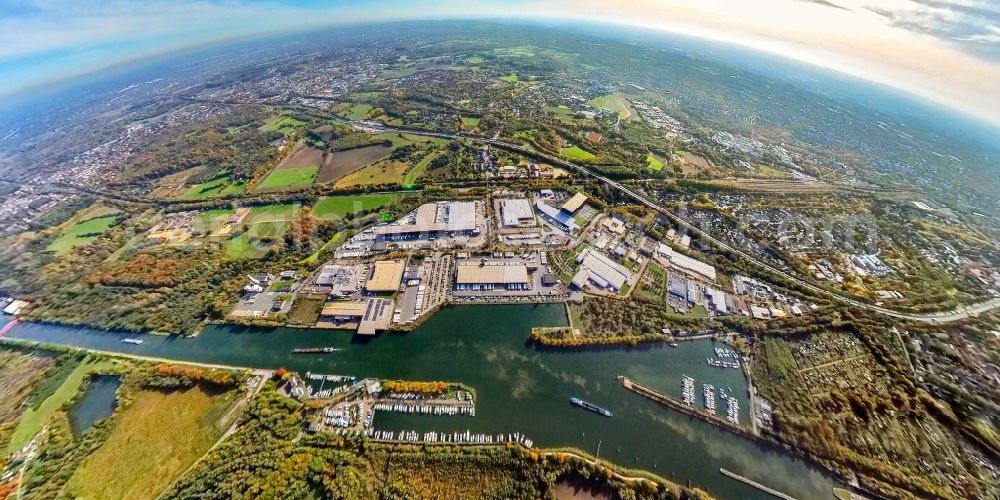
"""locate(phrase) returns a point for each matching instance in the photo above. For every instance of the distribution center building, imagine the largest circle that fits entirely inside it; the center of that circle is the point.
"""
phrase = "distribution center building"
(517, 213)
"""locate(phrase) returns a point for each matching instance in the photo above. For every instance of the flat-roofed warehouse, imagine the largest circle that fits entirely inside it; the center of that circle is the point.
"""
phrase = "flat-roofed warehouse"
(575, 203)
(436, 219)
(386, 276)
(344, 310)
(517, 213)
(601, 271)
(503, 274)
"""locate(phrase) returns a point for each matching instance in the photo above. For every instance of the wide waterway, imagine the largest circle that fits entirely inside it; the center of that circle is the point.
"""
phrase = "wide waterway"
(520, 388)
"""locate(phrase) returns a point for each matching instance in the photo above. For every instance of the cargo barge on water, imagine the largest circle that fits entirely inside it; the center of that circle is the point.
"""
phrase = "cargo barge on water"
(315, 350)
(589, 406)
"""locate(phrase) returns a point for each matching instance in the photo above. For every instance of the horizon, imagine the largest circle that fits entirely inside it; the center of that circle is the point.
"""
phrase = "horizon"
(948, 74)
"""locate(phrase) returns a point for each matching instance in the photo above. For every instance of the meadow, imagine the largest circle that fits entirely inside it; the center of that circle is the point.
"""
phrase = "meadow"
(336, 207)
(290, 177)
(157, 437)
(80, 234)
(575, 153)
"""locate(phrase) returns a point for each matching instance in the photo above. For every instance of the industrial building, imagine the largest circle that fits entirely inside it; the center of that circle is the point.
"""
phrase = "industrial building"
(386, 276)
(558, 218)
(517, 213)
(687, 264)
(433, 220)
(492, 275)
(574, 204)
(370, 315)
(600, 271)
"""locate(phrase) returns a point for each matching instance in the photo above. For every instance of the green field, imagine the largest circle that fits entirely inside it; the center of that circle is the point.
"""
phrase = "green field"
(575, 153)
(470, 121)
(81, 234)
(157, 437)
(36, 418)
(269, 222)
(217, 187)
(283, 124)
(614, 102)
(358, 111)
(475, 60)
(382, 172)
(290, 177)
(654, 163)
(413, 174)
(335, 207)
(512, 78)
(312, 259)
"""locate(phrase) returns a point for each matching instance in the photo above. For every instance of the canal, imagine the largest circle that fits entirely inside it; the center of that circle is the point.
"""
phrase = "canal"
(520, 387)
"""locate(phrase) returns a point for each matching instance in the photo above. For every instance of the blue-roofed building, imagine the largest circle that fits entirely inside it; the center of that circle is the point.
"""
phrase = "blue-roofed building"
(559, 218)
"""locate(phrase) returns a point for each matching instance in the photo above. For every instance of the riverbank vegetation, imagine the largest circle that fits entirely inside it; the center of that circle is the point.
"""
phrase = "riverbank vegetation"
(167, 416)
(270, 457)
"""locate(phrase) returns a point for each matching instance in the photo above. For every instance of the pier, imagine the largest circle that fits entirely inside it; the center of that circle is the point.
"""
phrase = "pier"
(755, 484)
(670, 402)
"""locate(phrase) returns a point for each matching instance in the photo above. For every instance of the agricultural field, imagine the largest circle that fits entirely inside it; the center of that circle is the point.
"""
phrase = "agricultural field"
(157, 436)
(284, 124)
(576, 153)
(302, 157)
(511, 78)
(341, 163)
(289, 178)
(353, 111)
(336, 207)
(218, 187)
(382, 172)
(265, 226)
(81, 233)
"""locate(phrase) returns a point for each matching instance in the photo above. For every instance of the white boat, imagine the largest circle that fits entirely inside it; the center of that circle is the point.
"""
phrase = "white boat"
(131, 340)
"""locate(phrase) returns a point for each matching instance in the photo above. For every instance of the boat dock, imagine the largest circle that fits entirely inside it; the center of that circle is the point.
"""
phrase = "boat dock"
(672, 403)
(755, 484)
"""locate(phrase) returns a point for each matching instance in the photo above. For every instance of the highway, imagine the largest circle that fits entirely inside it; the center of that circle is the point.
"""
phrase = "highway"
(958, 314)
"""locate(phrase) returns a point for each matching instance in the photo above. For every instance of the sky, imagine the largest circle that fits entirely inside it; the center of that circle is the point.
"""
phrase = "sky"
(944, 51)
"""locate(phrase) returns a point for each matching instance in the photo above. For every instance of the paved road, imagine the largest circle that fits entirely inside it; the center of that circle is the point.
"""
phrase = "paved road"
(960, 313)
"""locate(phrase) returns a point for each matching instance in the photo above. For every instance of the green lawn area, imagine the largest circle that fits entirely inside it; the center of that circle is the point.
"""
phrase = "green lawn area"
(80, 234)
(34, 419)
(217, 187)
(653, 162)
(470, 121)
(335, 207)
(333, 241)
(575, 153)
(157, 437)
(290, 177)
(269, 222)
(283, 124)
(358, 111)
(414, 173)
(397, 139)
(699, 311)
(614, 102)
(512, 78)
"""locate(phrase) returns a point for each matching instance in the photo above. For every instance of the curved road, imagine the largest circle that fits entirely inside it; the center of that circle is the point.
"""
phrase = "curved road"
(958, 314)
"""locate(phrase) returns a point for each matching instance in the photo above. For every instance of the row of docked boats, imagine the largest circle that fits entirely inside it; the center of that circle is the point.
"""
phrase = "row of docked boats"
(687, 390)
(427, 409)
(467, 437)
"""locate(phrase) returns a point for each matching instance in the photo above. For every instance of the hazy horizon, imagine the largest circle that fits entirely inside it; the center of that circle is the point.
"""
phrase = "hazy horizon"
(944, 51)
